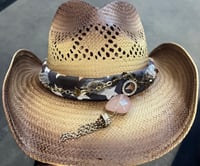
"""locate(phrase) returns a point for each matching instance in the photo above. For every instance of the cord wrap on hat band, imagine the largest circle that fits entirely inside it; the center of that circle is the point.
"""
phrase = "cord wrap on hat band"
(103, 88)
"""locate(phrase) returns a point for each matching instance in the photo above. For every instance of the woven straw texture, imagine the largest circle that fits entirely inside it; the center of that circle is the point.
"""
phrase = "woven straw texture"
(83, 40)
(159, 119)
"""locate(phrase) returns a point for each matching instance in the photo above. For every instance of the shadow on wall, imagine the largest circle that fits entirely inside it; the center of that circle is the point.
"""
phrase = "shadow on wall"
(5, 3)
(189, 151)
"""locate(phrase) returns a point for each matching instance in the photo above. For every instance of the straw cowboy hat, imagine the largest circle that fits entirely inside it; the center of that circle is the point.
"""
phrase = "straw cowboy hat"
(99, 98)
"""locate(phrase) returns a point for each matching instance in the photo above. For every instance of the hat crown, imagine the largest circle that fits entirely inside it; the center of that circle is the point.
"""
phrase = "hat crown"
(90, 42)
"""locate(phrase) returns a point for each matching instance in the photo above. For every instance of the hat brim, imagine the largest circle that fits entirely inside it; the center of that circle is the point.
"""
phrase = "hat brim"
(159, 119)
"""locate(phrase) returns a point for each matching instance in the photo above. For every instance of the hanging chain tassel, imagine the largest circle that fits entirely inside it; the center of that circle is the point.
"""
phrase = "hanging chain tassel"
(103, 121)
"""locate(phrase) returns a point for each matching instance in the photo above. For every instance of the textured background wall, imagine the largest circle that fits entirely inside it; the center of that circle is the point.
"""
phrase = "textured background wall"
(25, 24)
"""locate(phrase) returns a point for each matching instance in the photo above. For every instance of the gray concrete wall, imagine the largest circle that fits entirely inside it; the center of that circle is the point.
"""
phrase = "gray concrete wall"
(25, 24)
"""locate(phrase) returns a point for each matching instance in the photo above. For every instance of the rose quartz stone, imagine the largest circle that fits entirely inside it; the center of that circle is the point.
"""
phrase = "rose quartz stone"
(120, 104)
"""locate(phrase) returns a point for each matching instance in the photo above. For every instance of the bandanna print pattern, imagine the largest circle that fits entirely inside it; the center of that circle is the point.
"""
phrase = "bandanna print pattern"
(128, 83)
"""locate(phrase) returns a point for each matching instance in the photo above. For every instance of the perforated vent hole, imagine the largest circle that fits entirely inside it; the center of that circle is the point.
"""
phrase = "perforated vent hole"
(108, 54)
(84, 55)
(109, 32)
(115, 45)
(110, 50)
(99, 54)
(91, 54)
(96, 28)
(75, 55)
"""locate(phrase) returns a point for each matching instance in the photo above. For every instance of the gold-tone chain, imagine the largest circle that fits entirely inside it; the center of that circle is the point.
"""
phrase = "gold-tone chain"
(103, 121)
(94, 86)
(98, 85)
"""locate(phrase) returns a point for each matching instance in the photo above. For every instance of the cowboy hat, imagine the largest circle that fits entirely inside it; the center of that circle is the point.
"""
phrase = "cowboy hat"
(93, 46)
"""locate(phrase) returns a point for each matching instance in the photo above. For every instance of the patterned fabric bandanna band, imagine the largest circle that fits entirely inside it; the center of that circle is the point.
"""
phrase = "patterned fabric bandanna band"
(127, 83)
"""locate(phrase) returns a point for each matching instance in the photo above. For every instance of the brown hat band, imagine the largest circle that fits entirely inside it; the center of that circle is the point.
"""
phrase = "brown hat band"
(127, 83)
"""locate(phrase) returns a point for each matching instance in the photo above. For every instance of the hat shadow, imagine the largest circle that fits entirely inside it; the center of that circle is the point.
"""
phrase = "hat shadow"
(189, 151)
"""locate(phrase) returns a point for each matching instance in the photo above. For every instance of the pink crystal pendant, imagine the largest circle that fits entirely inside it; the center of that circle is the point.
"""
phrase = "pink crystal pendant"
(120, 104)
